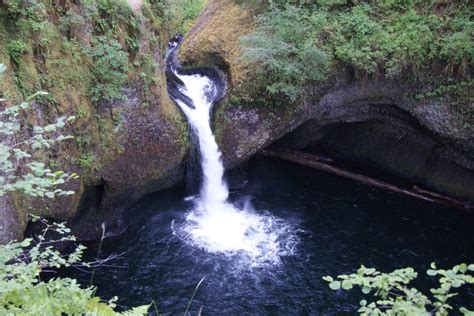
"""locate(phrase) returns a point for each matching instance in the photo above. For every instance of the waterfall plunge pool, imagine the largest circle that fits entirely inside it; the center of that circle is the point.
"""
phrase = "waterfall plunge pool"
(339, 225)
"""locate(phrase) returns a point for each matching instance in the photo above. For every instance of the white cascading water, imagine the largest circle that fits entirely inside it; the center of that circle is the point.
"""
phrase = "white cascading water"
(215, 224)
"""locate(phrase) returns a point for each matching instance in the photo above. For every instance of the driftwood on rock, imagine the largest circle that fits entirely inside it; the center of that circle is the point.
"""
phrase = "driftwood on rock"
(322, 163)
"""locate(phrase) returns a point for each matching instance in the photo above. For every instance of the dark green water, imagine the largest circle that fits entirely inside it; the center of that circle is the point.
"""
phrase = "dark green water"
(341, 225)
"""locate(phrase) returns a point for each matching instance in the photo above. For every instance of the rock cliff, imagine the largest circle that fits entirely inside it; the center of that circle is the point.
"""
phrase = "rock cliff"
(102, 63)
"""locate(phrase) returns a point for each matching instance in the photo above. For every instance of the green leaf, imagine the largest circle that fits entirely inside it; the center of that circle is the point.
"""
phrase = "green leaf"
(431, 272)
(335, 285)
(24, 105)
(346, 285)
(457, 283)
(25, 243)
(366, 289)
(466, 312)
(136, 311)
(450, 274)
(62, 137)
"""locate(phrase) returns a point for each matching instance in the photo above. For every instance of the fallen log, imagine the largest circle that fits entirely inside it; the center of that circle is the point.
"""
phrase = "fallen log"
(439, 196)
(322, 163)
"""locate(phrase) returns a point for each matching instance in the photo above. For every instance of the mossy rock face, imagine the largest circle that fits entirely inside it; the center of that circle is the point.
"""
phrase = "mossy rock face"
(214, 40)
(124, 147)
(243, 125)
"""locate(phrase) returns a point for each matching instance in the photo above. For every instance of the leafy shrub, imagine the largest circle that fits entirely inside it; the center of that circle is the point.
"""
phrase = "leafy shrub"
(110, 15)
(110, 68)
(39, 181)
(86, 160)
(22, 289)
(289, 56)
(27, 9)
(395, 297)
(16, 49)
(456, 46)
(178, 14)
(190, 10)
(373, 37)
(29, 15)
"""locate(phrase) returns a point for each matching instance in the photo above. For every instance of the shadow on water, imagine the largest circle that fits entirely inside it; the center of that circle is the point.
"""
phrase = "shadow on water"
(341, 225)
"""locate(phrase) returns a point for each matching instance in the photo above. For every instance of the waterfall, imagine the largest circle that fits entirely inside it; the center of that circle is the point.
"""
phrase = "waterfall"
(215, 224)
(199, 89)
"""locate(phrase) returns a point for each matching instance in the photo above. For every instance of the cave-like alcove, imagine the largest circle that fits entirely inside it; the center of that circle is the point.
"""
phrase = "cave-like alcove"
(399, 150)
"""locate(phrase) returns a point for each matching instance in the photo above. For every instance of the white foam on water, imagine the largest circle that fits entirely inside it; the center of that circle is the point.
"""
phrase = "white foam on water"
(214, 224)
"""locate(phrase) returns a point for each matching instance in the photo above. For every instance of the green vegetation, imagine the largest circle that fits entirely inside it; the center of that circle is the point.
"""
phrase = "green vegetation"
(286, 51)
(24, 292)
(15, 49)
(183, 13)
(116, 34)
(70, 21)
(86, 161)
(174, 15)
(300, 43)
(104, 37)
(84, 53)
(39, 181)
(22, 289)
(393, 296)
(110, 68)
(114, 26)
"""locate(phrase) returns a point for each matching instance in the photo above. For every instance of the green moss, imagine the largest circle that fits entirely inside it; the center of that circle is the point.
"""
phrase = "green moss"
(26, 77)
(146, 69)
(183, 132)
